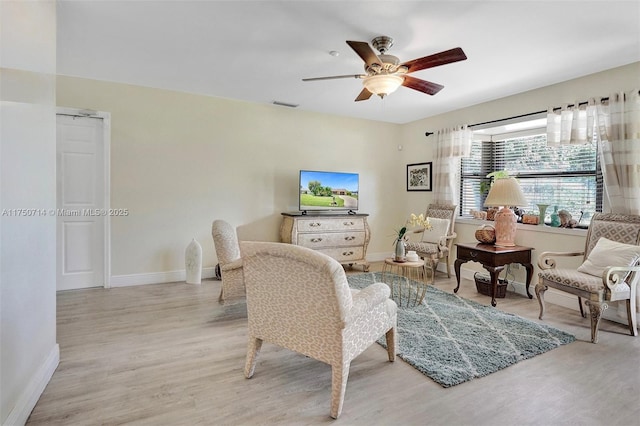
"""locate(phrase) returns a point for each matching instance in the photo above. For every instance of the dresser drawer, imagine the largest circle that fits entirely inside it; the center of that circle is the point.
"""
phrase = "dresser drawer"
(334, 239)
(344, 254)
(334, 224)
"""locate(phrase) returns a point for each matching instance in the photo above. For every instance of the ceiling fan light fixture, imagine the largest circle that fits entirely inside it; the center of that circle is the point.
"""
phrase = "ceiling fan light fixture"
(382, 84)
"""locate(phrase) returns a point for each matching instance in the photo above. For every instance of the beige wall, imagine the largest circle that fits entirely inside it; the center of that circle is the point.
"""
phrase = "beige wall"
(28, 350)
(181, 160)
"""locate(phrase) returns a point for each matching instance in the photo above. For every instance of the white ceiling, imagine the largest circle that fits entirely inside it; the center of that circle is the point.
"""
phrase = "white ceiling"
(259, 51)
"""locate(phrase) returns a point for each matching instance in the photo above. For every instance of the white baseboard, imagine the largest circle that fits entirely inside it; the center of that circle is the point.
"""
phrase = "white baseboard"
(156, 277)
(27, 401)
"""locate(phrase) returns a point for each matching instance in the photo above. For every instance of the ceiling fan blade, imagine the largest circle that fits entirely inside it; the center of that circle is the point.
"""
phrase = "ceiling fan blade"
(421, 85)
(364, 95)
(334, 77)
(435, 60)
(365, 52)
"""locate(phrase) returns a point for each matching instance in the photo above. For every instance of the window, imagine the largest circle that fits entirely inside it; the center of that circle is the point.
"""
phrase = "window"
(568, 176)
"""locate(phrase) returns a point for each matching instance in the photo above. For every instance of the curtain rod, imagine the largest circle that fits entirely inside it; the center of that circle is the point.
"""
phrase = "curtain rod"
(525, 115)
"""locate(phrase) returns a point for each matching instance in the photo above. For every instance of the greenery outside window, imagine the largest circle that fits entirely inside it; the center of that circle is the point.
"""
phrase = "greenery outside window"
(567, 176)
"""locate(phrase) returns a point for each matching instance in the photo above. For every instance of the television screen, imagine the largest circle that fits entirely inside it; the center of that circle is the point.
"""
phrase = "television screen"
(328, 191)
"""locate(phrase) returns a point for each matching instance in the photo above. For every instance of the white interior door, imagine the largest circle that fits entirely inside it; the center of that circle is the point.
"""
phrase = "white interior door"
(80, 197)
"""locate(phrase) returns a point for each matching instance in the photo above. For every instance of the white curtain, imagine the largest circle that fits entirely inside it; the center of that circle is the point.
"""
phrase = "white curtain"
(451, 146)
(618, 126)
(617, 123)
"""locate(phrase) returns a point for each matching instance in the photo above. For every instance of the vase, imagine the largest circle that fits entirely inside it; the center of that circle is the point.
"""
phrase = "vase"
(555, 217)
(400, 252)
(193, 262)
(543, 211)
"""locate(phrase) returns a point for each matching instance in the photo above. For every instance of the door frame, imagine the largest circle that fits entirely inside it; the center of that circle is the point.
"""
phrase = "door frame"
(106, 138)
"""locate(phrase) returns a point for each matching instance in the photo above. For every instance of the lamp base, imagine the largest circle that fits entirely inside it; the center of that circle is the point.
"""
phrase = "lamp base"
(506, 221)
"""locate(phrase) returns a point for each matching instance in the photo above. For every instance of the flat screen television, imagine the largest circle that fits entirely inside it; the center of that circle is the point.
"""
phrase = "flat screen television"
(323, 190)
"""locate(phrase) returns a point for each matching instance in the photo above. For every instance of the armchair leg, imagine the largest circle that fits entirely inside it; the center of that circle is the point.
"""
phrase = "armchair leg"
(631, 316)
(392, 342)
(446, 262)
(595, 312)
(339, 376)
(253, 349)
(540, 289)
(221, 297)
(581, 309)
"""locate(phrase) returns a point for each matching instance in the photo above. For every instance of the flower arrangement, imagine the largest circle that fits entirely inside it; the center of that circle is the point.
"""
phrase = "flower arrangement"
(399, 241)
(419, 221)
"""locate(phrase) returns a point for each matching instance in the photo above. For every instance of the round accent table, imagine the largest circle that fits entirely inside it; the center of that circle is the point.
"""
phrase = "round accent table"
(407, 280)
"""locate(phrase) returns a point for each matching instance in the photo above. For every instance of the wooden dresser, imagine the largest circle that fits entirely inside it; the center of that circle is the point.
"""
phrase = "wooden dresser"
(344, 237)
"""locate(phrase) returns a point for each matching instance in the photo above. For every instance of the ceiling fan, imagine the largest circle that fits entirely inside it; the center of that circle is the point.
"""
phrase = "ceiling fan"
(385, 73)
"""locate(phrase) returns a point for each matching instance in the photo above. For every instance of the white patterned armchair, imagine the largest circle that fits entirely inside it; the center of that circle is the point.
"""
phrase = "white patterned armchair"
(435, 244)
(299, 299)
(609, 271)
(227, 248)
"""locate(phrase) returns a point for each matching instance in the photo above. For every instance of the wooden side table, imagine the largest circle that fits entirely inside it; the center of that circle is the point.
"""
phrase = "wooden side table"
(493, 259)
(400, 275)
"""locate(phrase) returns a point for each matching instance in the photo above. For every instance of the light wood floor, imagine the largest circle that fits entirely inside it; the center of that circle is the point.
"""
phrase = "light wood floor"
(169, 354)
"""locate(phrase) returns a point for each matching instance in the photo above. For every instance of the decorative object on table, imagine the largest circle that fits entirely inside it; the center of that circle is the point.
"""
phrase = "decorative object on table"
(401, 238)
(419, 177)
(445, 338)
(484, 285)
(555, 217)
(412, 256)
(491, 213)
(566, 220)
(542, 208)
(486, 234)
(400, 255)
(505, 192)
(530, 219)
(193, 262)
(477, 214)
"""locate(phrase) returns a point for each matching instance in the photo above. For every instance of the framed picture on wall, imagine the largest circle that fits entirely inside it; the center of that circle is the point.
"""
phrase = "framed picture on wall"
(419, 177)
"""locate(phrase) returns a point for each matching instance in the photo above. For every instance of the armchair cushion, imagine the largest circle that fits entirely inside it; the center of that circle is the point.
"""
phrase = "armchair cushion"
(573, 278)
(439, 230)
(607, 253)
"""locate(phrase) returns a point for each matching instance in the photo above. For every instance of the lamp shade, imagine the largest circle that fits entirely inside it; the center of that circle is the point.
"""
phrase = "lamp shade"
(382, 84)
(505, 192)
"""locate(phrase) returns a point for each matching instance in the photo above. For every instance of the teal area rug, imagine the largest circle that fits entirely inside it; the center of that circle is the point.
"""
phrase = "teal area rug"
(453, 340)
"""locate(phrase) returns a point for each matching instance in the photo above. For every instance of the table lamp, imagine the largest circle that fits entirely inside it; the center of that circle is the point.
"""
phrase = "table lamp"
(505, 192)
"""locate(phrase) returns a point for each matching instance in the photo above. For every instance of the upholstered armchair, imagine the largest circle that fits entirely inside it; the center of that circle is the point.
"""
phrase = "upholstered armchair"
(609, 271)
(227, 248)
(435, 244)
(299, 299)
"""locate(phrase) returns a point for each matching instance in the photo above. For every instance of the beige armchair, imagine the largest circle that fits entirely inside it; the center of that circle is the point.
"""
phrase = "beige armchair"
(225, 241)
(609, 271)
(299, 299)
(435, 244)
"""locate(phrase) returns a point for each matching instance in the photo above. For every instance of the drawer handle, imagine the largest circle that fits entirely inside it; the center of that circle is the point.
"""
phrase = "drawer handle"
(347, 253)
(350, 238)
(473, 253)
(348, 224)
(316, 240)
(314, 224)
